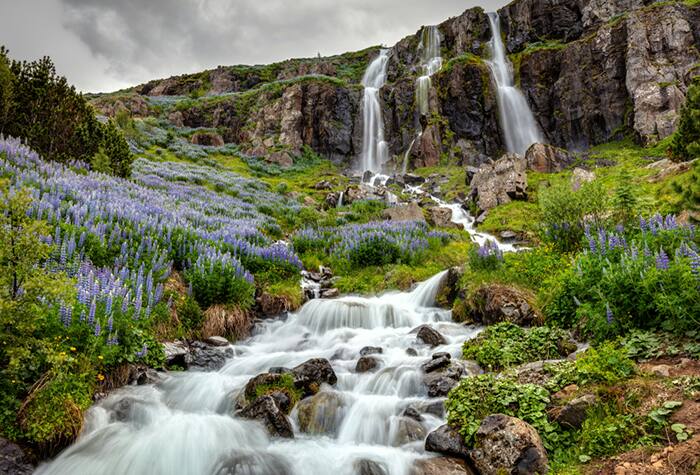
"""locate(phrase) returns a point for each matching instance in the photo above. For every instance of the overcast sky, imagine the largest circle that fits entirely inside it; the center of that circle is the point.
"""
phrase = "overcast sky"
(105, 45)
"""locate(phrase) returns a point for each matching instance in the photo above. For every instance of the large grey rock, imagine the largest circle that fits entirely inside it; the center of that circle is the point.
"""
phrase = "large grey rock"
(266, 410)
(321, 413)
(366, 363)
(574, 413)
(505, 444)
(175, 353)
(442, 466)
(207, 358)
(13, 460)
(447, 441)
(408, 430)
(310, 375)
(409, 212)
(545, 158)
(495, 303)
(500, 183)
(369, 467)
(441, 218)
(429, 336)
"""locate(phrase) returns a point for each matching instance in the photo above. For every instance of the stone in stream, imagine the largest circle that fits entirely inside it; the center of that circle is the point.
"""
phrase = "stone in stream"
(505, 444)
(369, 467)
(429, 336)
(447, 441)
(441, 466)
(249, 463)
(266, 410)
(411, 352)
(206, 357)
(175, 353)
(412, 413)
(13, 460)
(321, 414)
(217, 341)
(309, 375)
(408, 430)
(366, 363)
(436, 364)
(371, 350)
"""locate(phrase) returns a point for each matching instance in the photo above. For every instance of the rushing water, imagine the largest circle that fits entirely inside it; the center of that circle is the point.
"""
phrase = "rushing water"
(183, 425)
(431, 62)
(520, 129)
(375, 150)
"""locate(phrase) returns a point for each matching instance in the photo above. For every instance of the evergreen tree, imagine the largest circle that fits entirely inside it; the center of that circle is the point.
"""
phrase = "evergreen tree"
(686, 142)
(6, 88)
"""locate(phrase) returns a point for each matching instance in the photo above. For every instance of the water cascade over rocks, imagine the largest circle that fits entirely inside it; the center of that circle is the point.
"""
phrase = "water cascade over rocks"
(431, 63)
(375, 151)
(520, 128)
(184, 424)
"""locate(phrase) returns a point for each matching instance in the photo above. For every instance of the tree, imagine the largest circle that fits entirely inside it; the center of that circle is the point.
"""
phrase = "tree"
(116, 149)
(6, 88)
(686, 141)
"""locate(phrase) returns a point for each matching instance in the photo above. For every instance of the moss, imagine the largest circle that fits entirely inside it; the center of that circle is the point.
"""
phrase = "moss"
(284, 384)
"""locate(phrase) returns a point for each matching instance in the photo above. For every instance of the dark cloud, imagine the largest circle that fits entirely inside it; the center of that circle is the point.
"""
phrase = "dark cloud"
(132, 41)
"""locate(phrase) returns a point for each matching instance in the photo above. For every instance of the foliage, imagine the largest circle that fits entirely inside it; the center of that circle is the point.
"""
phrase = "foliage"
(6, 88)
(284, 384)
(505, 344)
(219, 278)
(686, 141)
(625, 201)
(608, 363)
(486, 257)
(566, 213)
(190, 314)
(646, 345)
(54, 119)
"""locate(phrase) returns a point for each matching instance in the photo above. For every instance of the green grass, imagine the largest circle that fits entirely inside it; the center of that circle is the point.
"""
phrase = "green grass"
(456, 176)
(521, 217)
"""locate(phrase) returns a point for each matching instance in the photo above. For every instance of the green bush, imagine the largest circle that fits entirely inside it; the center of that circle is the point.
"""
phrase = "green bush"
(686, 141)
(606, 364)
(504, 345)
(220, 284)
(374, 252)
(190, 314)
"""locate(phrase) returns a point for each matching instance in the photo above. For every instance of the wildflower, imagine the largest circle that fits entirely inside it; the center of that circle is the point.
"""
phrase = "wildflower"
(608, 314)
(662, 261)
(100, 377)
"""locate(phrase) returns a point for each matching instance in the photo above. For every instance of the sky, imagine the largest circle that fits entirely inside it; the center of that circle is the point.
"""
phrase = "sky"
(106, 45)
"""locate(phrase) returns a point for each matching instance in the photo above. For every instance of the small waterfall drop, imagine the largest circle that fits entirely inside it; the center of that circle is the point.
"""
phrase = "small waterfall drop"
(519, 126)
(429, 48)
(375, 151)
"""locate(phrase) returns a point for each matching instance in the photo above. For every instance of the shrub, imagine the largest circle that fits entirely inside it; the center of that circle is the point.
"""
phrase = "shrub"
(606, 364)
(486, 257)
(505, 344)
(565, 213)
(190, 314)
(686, 141)
(218, 278)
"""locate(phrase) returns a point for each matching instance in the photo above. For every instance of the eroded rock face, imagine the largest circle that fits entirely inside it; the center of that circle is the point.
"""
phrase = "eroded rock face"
(500, 183)
(505, 444)
(409, 212)
(495, 303)
(266, 410)
(544, 158)
(209, 139)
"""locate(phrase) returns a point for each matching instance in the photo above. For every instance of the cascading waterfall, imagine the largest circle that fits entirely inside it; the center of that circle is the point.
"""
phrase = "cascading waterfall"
(375, 151)
(519, 126)
(429, 48)
(183, 425)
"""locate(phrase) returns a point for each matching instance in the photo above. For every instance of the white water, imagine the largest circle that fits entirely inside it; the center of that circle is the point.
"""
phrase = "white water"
(182, 425)
(429, 48)
(375, 151)
(520, 128)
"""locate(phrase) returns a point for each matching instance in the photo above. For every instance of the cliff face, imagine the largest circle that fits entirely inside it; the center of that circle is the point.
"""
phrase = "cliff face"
(591, 70)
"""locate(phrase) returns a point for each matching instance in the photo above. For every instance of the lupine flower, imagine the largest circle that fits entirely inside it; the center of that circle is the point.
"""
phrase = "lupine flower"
(608, 314)
(662, 261)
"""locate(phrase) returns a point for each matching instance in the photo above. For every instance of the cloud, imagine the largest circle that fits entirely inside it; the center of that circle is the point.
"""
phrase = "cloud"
(133, 41)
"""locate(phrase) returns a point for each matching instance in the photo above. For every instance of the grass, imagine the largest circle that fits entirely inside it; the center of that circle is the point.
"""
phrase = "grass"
(455, 175)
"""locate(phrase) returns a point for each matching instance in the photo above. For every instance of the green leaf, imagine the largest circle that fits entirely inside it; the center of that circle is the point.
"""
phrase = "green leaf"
(584, 458)
(672, 404)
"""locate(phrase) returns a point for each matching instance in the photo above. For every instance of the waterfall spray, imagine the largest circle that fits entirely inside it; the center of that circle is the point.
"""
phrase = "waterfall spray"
(375, 151)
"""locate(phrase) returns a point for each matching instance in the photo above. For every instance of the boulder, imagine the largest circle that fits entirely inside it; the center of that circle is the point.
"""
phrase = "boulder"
(354, 193)
(579, 177)
(369, 467)
(321, 413)
(441, 218)
(442, 466)
(408, 430)
(435, 364)
(141, 374)
(505, 444)
(440, 382)
(331, 201)
(175, 353)
(217, 341)
(371, 350)
(434, 408)
(413, 180)
(412, 413)
(574, 413)
(449, 288)
(330, 293)
(206, 357)
(264, 379)
(246, 463)
(210, 139)
(544, 158)
(309, 376)
(266, 410)
(429, 336)
(500, 183)
(273, 305)
(409, 212)
(13, 460)
(495, 303)
(323, 185)
(281, 158)
(447, 441)
(411, 352)
(366, 363)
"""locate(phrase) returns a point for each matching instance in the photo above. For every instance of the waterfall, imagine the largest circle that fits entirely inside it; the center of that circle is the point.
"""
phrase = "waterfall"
(183, 425)
(520, 129)
(429, 48)
(375, 151)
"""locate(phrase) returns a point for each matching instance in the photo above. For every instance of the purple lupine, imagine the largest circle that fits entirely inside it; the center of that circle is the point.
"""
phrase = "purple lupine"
(608, 314)
(662, 261)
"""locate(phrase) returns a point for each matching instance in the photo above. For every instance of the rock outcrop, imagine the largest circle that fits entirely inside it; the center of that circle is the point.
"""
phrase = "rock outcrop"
(267, 410)
(442, 466)
(544, 158)
(409, 212)
(13, 460)
(495, 303)
(505, 444)
(500, 183)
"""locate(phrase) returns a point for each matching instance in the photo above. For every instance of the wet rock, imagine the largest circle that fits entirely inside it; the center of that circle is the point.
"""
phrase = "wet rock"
(13, 460)
(330, 293)
(408, 430)
(323, 185)
(544, 158)
(175, 353)
(279, 370)
(409, 212)
(500, 183)
(429, 336)
(412, 413)
(354, 193)
(309, 376)
(579, 177)
(441, 218)
(436, 363)
(447, 441)
(441, 466)
(495, 303)
(206, 357)
(508, 235)
(266, 410)
(573, 414)
(273, 305)
(435, 408)
(248, 464)
(505, 444)
(141, 374)
(413, 180)
(369, 467)
(366, 363)
(439, 385)
(217, 341)
(411, 352)
(264, 379)
(371, 350)
(449, 288)
(321, 413)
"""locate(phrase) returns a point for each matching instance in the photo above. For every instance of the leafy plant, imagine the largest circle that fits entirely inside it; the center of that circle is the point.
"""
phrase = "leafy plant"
(686, 141)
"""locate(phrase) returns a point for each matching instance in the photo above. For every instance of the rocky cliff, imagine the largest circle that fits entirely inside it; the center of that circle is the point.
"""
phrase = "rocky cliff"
(592, 71)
